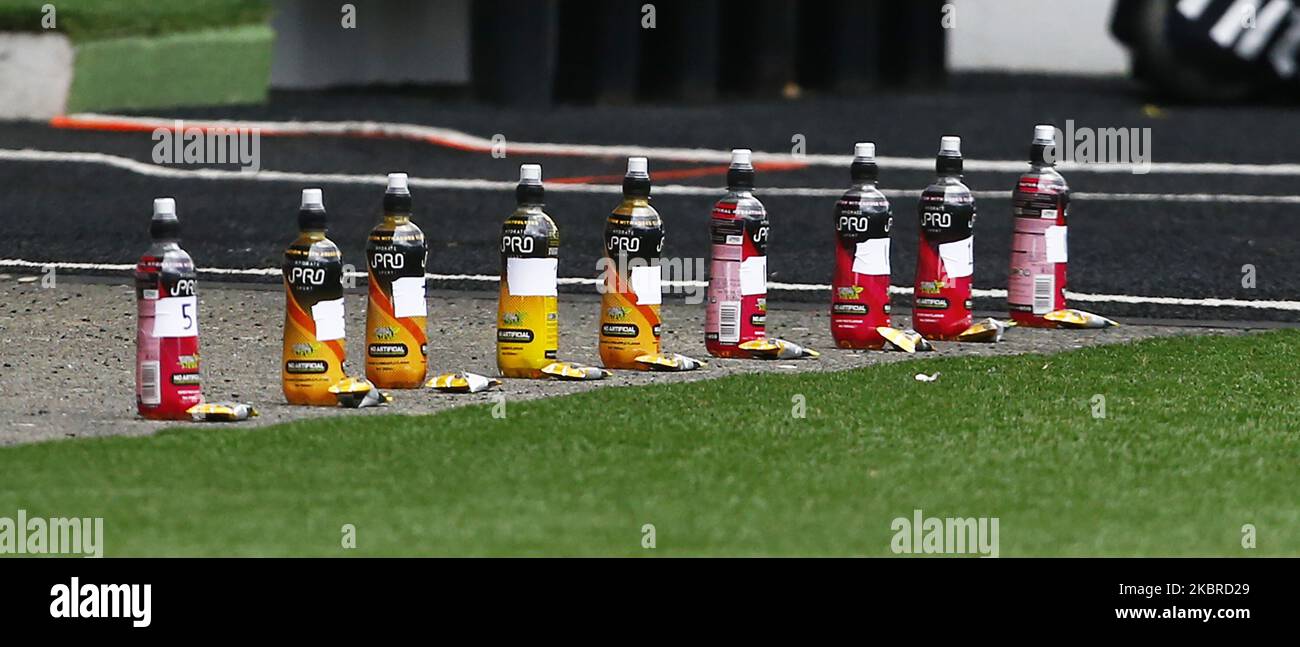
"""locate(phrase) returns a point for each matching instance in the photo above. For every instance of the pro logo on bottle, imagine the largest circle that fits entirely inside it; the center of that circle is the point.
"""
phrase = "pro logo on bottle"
(860, 285)
(737, 306)
(1039, 253)
(631, 292)
(313, 353)
(396, 311)
(167, 322)
(528, 328)
(941, 300)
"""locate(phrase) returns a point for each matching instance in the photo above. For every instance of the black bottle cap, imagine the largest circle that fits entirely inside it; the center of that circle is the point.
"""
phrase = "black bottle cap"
(636, 184)
(864, 167)
(164, 225)
(740, 175)
(529, 190)
(397, 197)
(1044, 143)
(311, 215)
(949, 160)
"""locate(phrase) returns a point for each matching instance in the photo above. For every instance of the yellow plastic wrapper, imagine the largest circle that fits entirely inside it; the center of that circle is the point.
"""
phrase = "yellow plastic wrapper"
(1071, 318)
(462, 382)
(986, 330)
(669, 362)
(358, 392)
(221, 412)
(777, 349)
(575, 371)
(908, 341)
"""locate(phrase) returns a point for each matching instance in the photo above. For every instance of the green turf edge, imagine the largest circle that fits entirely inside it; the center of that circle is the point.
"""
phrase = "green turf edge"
(215, 67)
(1201, 436)
(87, 20)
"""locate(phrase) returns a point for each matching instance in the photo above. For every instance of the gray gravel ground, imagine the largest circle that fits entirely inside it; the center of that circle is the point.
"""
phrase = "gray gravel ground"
(67, 352)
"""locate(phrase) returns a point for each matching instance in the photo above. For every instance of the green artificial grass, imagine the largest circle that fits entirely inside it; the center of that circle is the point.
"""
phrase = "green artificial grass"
(214, 67)
(83, 20)
(1200, 437)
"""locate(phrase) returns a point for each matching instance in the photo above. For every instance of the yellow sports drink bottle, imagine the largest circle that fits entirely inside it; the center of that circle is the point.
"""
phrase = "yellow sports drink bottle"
(528, 327)
(396, 341)
(631, 293)
(313, 317)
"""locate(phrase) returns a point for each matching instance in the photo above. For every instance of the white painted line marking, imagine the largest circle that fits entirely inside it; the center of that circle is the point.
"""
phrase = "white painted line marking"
(470, 184)
(995, 293)
(465, 141)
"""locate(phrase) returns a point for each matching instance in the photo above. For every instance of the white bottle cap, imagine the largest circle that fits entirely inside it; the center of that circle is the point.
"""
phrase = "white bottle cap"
(164, 207)
(530, 173)
(741, 158)
(397, 183)
(1045, 134)
(637, 166)
(950, 145)
(864, 151)
(312, 198)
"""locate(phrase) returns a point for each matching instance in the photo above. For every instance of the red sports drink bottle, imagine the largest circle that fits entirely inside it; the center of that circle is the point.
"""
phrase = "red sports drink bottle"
(941, 306)
(860, 287)
(1036, 283)
(737, 308)
(167, 323)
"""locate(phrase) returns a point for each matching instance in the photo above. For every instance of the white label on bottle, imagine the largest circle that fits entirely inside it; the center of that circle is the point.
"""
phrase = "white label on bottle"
(871, 257)
(328, 316)
(753, 275)
(957, 257)
(646, 285)
(408, 297)
(532, 277)
(1057, 250)
(176, 317)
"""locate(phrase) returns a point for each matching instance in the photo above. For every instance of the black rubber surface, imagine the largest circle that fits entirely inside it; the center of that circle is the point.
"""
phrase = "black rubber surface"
(93, 213)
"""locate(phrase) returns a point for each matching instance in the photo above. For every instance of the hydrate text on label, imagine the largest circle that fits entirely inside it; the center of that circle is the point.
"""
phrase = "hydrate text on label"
(328, 316)
(176, 317)
(871, 257)
(532, 277)
(408, 297)
(646, 285)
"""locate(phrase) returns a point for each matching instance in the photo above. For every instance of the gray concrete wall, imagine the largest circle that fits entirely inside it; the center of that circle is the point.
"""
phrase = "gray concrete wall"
(1048, 36)
(35, 74)
(394, 42)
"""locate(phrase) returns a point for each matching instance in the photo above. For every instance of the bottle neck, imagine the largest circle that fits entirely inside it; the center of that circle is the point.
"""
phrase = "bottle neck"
(636, 186)
(397, 203)
(948, 166)
(1039, 157)
(530, 195)
(864, 173)
(397, 218)
(740, 180)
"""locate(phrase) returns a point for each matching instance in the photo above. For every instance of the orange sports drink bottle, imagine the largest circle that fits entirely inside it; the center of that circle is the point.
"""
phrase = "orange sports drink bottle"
(631, 292)
(313, 354)
(528, 326)
(396, 255)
